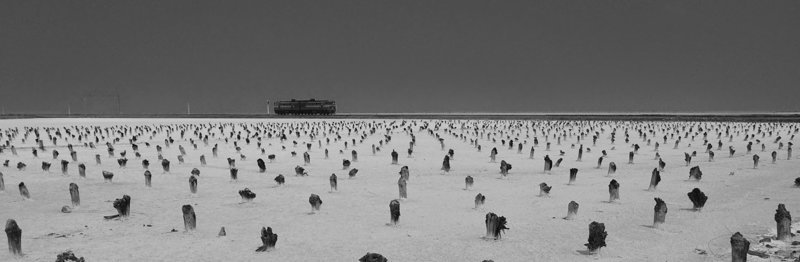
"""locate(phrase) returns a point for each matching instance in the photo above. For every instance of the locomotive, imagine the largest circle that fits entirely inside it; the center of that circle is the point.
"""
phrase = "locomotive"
(305, 107)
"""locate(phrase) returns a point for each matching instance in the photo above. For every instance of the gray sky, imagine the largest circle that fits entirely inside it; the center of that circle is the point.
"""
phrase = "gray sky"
(401, 56)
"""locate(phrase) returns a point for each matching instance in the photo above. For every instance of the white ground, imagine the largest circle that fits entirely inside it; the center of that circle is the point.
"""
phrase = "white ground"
(438, 222)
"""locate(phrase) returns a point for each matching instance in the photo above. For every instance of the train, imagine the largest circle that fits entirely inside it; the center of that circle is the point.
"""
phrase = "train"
(305, 107)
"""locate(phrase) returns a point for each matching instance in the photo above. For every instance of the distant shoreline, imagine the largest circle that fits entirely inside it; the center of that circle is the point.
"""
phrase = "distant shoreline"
(739, 117)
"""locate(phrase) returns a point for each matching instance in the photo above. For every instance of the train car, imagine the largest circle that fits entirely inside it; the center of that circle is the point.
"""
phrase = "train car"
(305, 107)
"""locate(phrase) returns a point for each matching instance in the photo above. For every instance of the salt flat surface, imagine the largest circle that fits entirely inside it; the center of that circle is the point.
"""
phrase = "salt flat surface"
(438, 221)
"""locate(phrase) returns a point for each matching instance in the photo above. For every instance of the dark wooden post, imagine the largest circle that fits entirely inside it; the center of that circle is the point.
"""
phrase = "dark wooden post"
(739, 248)
(784, 222)
(613, 190)
(247, 195)
(165, 165)
(203, 160)
(446, 163)
(123, 206)
(280, 179)
(234, 172)
(23, 191)
(193, 184)
(695, 173)
(315, 202)
(469, 181)
(597, 236)
(2, 183)
(572, 210)
(495, 225)
(147, 178)
(268, 240)
(755, 161)
(404, 173)
(334, 185)
(394, 210)
(544, 190)
(394, 157)
(612, 168)
(698, 198)
(74, 195)
(573, 174)
(401, 184)
(82, 170)
(189, 218)
(660, 212)
(655, 178)
(14, 235)
(479, 200)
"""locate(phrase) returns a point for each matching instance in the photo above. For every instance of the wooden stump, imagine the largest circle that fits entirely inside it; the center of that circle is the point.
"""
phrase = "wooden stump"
(755, 161)
(698, 198)
(394, 157)
(165, 165)
(469, 181)
(23, 191)
(597, 236)
(401, 184)
(661, 165)
(394, 211)
(222, 232)
(572, 210)
(145, 164)
(82, 170)
(446, 164)
(599, 161)
(479, 200)
(97, 159)
(123, 206)
(203, 160)
(193, 184)
(334, 185)
(64, 166)
(495, 225)
(695, 173)
(268, 240)
(306, 158)
(107, 176)
(2, 183)
(544, 190)
(14, 235)
(189, 218)
(234, 172)
(573, 174)
(195, 172)
(612, 168)
(558, 162)
(797, 182)
(280, 179)
(74, 195)
(315, 202)
(784, 223)
(299, 171)
(404, 173)
(247, 195)
(148, 177)
(373, 257)
(739, 248)
(630, 158)
(504, 167)
(548, 164)
(655, 178)
(354, 155)
(613, 190)
(660, 212)
(352, 173)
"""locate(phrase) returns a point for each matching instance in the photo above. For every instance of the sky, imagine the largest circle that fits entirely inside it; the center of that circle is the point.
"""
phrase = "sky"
(422, 56)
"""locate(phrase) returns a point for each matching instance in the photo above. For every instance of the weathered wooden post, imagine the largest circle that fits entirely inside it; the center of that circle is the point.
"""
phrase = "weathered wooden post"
(262, 167)
(660, 213)
(544, 190)
(354, 155)
(797, 182)
(147, 178)
(222, 232)
(74, 195)
(145, 164)
(612, 168)
(573, 174)
(2, 183)
(548, 164)
(504, 167)
(580, 154)
(195, 172)
(280, 179)
(345, 164)
(495, 225)
(599, 161)
(203, 160)
(698, 198)
(14, 235)
(469, 181)
(306, 158)
(247, 195)
(695, 173)
(739, 248)
(404, 173)
(107, 176)
(334, 185)
(630, 157)
(123, 206)
(394, 211)
(493, 154)
(401, 184)
(394, 157)
(710, 156)
(193, 184)
(784, 223)
(613, 190)
(97, 159)
(597, 236)
(315, 202)
(755, 161)
(64, 166)
(774, 156)
(189, 218)
(268, 240)
(165, 165)
(300, 171)
(661, 165)
(572, 210)
(446, 163)
(531, 154)
(479, 200)
(82, 170)
(655, 178)
(352, 173)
